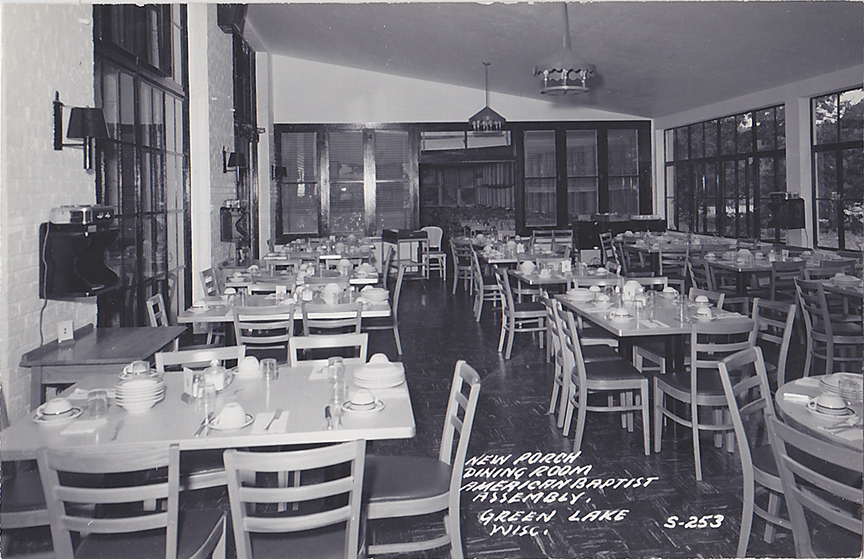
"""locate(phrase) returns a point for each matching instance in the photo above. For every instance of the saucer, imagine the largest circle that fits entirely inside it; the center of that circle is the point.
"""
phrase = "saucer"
(353, 408)
(59, 419)
(127, 376)
(705, 317)
(620, 317)
(814, 408)
(248, 421)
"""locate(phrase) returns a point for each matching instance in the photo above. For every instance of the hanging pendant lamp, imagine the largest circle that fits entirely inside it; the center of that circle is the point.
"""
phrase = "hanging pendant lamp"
(563, 72)
(487, 120)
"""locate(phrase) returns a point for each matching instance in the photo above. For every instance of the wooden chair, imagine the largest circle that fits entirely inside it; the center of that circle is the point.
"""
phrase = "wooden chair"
(774, 323)
(343, 318)
(264, 331)
(824, 479)
(434, 259)
(200, 469)
(608, 377)
(715, 297)
(517, 318)
(834, 341)
(673, 265)
(724, 281)
(324, 520)
(157, 315)
(22, 506)
(633, 262)
(105, 498)
(391, 322)
(485, 288)
(210, 283)
(699, 387)
(309, 345)
(401, 486)
(783, 275)
(554, 353)
(462, 268)
(749, 399)
(607, 250)
(697, 273)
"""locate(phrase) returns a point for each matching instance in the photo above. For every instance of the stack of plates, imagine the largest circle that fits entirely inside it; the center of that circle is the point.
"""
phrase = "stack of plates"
(366, 270)
(850, 391)
(842, 280)
(139, 394)
(375, 294)
(580, 294)
(379, 372)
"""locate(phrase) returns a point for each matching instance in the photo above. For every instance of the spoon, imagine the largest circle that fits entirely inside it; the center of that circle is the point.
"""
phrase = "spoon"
(329, 419)
(273, 419)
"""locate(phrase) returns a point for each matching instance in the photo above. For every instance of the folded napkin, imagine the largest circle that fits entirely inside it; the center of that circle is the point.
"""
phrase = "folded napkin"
(807, 381)
(263, 418)
(319, 372)
(792, 397)
(84, 426)
(78, 394)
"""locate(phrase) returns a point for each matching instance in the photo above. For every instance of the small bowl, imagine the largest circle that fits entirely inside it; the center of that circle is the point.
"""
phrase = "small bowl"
(249, 366)
(702, 300)
(363, 399)
(830, 402)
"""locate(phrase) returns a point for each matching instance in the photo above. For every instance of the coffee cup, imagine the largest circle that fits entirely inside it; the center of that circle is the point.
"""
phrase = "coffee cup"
(57, 406)
(704, 312)
(137, 368)
(232, 415)
(249, 366)
(830, 402)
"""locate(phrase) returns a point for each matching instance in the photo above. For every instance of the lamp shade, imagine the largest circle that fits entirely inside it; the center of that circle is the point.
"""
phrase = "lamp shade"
(236, 160)
(86, 122)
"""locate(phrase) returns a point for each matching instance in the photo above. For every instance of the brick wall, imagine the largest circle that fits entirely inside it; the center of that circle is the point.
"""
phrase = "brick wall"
(220, 70)
(46, 48)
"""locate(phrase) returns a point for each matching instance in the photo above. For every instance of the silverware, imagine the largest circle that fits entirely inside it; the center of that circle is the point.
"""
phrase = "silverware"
(117, 427)
(273, 419)
(329, 418)
(204, 423)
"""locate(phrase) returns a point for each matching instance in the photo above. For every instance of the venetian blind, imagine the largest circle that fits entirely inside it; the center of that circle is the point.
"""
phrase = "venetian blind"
(347, 207)
(299, 187)
(391, 180)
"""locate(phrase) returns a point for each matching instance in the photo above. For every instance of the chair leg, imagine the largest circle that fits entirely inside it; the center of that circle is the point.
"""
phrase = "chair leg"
(658, 417)
(580, 421)
(568, 412)
(774, 510)
(510, 339)
(556, 388)
(398, 340)
(694, 427)
(504, 321)
(746, 519)
(646, 419)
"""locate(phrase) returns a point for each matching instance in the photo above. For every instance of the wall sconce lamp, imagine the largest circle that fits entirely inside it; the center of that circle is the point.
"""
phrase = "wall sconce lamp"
(232, 161)
(85, 124)
(278, 172)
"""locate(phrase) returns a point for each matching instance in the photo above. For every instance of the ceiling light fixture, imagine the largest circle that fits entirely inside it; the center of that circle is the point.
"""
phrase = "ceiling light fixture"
(563, 72)
(487, 120)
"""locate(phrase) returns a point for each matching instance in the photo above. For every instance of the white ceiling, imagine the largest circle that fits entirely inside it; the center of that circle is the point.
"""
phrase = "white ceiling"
(653, 58)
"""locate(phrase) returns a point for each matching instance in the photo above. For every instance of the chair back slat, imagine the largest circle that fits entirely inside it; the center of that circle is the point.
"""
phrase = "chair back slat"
(774, 326)
(327, 492)
(458, 430)
(196, 358)
(806, 462)
(343, 318)
(309, 344)
(210, 283)
(264, 327)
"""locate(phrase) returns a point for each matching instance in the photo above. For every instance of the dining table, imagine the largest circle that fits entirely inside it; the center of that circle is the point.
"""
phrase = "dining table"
(581, 276)
(795, 404)
(302, 393)
(102, 350)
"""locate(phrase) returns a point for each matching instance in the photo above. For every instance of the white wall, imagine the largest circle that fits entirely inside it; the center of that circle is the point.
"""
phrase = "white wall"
(303, 92)
(33, 177)
(796, 98)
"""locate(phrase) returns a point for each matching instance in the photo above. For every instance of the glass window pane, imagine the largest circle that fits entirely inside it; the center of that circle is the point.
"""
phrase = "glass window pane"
(347, 203)
(711, 129)
(581, 197)
(744, 127)
(780, 119)
(825, 119)
(851, 115)
(727, 135)
(682, 144)
(853, 219)
(624, 195)
(392, 204)
(669, 143)
(697, 140)
(826, 175)
(145, 104)
(540, 206)
(623, 148)
(827, 223)
(582, 153)
(765, 137)
(540, 153)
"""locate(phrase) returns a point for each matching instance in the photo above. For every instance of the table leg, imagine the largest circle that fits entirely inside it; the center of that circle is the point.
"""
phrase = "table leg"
(37, 390)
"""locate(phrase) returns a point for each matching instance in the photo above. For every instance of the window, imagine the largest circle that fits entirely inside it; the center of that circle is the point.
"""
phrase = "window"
(338, 181)
(143, 171)
(720, 173)
(576, 170)
(838, 169)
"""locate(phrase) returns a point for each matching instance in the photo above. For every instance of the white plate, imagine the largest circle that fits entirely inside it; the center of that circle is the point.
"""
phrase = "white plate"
(235, 372)
(348, 406)
(249, 420)
(621, 317)
(59, 419)
(128, 376)
(846, 412)
(705, 317)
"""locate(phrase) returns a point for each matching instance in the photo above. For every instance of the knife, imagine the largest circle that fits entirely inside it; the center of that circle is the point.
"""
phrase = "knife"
(117, 427)
(203, 424)
(273, 419)
(329, 419)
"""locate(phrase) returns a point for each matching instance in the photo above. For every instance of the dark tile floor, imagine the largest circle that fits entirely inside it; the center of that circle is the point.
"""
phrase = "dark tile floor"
(438, 329)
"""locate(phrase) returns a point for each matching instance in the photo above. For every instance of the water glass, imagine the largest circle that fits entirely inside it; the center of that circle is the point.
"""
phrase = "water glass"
(270, 369)
(208, 400)
(97, 404)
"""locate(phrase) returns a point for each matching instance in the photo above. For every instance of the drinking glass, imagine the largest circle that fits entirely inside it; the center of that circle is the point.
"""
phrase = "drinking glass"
(270, 369)
(208, 400)
(97, 404)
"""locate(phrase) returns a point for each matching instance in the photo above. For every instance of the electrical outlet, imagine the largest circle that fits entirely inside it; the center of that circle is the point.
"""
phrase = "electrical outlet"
(65, 332)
